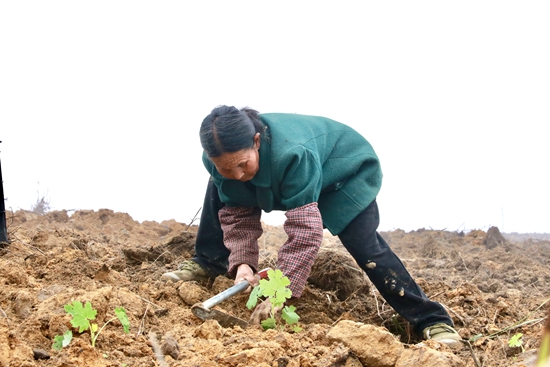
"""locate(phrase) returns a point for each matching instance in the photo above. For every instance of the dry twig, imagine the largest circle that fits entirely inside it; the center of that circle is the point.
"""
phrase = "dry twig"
(30, 247)
(6, 316)
(437, 294)
(156, 348)
(142, 323)
(474, 357)
(504, 351)
(194, 219)
(454, 313)
(158, 257)
(377, 307)
(463, 262)
(143, 299)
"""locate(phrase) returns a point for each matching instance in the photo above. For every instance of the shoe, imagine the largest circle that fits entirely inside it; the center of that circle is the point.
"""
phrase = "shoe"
(188, 270)
(442, 333)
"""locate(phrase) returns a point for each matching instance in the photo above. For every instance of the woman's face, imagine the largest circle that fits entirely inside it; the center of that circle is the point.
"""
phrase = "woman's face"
(241, 165)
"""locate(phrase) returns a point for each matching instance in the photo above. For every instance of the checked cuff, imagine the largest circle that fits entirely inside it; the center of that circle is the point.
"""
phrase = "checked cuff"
(241, 228)
(304, 227)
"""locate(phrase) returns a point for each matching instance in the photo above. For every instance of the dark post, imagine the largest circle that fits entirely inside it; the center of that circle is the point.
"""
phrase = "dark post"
(3, 229)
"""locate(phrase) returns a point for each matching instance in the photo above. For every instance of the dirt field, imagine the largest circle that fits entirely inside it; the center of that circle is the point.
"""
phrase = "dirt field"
(492, 287)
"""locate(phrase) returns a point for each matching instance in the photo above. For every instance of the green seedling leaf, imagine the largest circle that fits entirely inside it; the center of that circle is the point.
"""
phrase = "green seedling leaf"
(120, 312)
(253, 298)
(81, 314)
(81, 317)
(281, 296)
(276, 290)
(61, 341)
(515, 341)
(289, 315)
(276, 287)
(269, 323)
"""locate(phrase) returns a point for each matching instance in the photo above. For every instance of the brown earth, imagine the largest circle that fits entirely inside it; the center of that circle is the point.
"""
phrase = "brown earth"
(492, 287)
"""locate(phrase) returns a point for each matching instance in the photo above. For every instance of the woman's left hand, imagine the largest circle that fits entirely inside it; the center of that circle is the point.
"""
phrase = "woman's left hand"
(263, 311)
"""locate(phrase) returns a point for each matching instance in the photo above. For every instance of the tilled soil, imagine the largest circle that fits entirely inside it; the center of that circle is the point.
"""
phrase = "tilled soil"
(492, 287)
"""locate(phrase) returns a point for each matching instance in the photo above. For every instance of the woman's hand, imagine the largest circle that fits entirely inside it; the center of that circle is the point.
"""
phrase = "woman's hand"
(244, 272)
(263, 311)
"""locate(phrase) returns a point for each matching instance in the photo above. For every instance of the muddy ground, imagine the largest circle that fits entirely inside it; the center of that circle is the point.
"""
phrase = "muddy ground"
(492, 287)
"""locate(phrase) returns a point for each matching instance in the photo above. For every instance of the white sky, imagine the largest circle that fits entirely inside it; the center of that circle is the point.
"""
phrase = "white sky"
(101, 101)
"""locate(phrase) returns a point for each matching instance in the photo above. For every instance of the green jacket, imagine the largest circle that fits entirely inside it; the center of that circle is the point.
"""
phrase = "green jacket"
(306, 159)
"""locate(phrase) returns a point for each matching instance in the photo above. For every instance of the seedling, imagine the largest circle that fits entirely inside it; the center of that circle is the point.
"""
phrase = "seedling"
(523, 322)
(516, 342)
(82, 315)
(275, 288)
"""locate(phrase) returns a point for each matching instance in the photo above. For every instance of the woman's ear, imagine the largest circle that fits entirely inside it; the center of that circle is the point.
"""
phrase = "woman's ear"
(257, 141)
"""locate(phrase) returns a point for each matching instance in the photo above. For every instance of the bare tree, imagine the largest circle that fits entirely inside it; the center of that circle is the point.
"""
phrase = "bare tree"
(42, 205)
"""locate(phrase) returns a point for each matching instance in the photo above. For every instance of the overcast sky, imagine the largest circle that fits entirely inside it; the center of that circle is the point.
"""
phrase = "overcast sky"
(101, 101)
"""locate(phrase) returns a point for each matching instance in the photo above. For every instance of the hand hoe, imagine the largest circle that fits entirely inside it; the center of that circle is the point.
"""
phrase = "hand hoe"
(204, 310)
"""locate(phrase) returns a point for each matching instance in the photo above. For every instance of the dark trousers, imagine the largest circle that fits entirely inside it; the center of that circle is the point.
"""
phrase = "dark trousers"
(360, 238)
(210, 252)
(387, 272)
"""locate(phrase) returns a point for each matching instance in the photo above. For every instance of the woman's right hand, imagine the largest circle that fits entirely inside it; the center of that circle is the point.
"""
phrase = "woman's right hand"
(245, 272)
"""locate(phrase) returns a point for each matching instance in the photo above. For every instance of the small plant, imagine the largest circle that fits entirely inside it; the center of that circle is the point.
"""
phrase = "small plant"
(523, 322)
(543, 359)
(82, 315)
(516, 342)
(276, 290)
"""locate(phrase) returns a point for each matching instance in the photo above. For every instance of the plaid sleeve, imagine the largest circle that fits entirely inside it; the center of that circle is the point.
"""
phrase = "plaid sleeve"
(241, 228)
(304, 227)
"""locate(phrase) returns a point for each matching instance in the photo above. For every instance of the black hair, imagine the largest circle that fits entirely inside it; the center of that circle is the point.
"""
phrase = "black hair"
(227, 129)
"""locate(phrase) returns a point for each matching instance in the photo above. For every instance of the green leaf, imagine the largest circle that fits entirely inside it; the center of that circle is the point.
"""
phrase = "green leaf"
(269, 323)
(289, 315)
(277, 281)
(276, 287)
(297, 329)
(120, 312)
(81, 314)
(515, 341)
(281, 296)
(253, 298)
(61, 341)
(544, 351)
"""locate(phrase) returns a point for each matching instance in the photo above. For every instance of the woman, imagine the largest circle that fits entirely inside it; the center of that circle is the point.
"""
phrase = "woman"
(324, 175)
